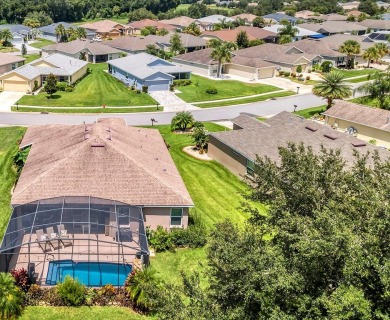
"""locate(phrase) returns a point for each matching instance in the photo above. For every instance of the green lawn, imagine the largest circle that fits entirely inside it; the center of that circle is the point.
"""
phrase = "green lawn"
(94, 90)
(87, 110)
(308, 113)
(196, 92)
(7, 49)
(367, 101)
(41, 42)
(31, 57)
(246, 100)
(80, 313)
(355, 73)
(116, 19)
(8, 148)
(360, 79)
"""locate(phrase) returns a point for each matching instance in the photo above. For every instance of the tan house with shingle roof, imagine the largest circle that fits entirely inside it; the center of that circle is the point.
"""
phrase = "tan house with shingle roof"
(9, 62)
(107, 160)
(181, 22)
(364, 122)
(253, 33)
(136, 26)
(107, 28)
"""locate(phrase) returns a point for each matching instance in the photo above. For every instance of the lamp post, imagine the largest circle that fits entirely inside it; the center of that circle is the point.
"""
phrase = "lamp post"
(157, 106)
(298, 89)
(295, 107)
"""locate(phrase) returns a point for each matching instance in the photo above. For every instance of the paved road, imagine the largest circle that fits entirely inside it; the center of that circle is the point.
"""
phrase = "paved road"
(258, 108)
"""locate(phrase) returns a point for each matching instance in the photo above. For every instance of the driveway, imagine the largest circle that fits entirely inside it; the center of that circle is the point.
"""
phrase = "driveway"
(287, 84)
(171, 102)
(8, 99)
(29, 48)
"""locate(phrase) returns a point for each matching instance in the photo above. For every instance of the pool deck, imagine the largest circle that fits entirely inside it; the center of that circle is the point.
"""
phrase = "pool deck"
(83, 248)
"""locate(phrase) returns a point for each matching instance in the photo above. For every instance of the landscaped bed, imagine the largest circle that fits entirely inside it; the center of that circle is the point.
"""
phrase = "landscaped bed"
(94, 90)
(196, 91)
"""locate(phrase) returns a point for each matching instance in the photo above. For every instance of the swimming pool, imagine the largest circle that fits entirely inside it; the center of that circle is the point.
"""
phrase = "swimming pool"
(92, 274)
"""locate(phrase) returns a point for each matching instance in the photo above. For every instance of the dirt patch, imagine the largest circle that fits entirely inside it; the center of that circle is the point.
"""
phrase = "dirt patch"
(193, 152)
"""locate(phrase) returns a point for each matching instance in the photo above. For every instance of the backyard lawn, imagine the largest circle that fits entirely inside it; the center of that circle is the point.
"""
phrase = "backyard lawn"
(31, 57)
(226, 89)
(308, 113)
(94, 90)
(41, 42)
(356, 72)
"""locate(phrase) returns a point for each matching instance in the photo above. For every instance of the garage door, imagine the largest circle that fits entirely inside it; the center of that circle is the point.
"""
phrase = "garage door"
(19, 86)
(157, 85)
(241, 71)
(266, 73)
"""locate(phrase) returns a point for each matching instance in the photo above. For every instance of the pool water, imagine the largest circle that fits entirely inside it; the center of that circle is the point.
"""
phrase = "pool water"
(91, 274)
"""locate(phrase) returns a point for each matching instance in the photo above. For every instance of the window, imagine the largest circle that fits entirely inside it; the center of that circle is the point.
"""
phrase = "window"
(176, 216)
(13, 67)
(250, 167)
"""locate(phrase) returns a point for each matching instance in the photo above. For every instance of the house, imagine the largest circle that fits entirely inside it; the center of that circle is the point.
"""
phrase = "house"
(207, 23)
(286, 58)
(382, 4)
(302, 33)
(364, 122)
(9, 62)
(378, 36)
(136, 26)
(248, 17)
(376, 25)
(201, 62)
(83, 49)
(277, 17)
(253, 33)
(19, 32)
(143, 69)
(30, 77)
(139, 44)
(385, 16)
(179, 23)
(107, 29)
(49, 32)
(304, 14)
(237, 149)
(347, 6)
(333, 27)
(355, 13)
(85, 196)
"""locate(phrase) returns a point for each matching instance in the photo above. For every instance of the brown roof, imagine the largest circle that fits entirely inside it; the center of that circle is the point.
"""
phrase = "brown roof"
(336, 40)
(75, 46)
(363, 115)
(150, 23)
(333, 27)
(264, 138)
(376, 24)
(6, 58)
(187, 40)
(315, 46)
(354, 13)
(102, 26)
(130, 43)
(106, 159)
(246, 16)
(182, 21)
(231, 35)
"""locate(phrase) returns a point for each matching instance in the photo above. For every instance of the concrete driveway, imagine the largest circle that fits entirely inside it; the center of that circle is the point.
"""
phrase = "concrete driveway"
(171, 102)
(8, 99)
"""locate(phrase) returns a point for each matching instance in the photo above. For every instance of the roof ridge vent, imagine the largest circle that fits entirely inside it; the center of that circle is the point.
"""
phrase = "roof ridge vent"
(97, 143)
(331, 136)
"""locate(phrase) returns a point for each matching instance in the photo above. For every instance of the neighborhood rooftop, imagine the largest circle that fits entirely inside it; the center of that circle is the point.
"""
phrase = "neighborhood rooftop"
(75, 46)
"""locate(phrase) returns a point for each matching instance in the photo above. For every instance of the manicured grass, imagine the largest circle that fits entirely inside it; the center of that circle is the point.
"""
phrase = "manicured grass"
(9, 138)
(88, 110)
(7, 49)
(31, 57)
(80, 313)
(246, 100)
(367, 101)
(94, 90)
(226, 89)
(41, 42)
(360, 79)
(308, 113)
(357, 72)
(124, 20)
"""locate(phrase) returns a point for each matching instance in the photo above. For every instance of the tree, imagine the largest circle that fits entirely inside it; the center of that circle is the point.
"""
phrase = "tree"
(197, 10)
(371, 54)
(23, 50)
(221, 52)
(242, 39)
(255, 42)
(288, 30)
(162, 32)
(378, 88)
(239, 22)
(51, 84)
(176, 44)
(141, 14)
(222, 24)
(351, 48)
(200, 137)
(332, 86)
(284, 39)
(35, 19)
(11, 297)
(258, 22)
(193, 29)
(81, 33)
(60, 33)
(369, 7)
(182, 121)
(382, 49)
(153, 50)
(6, 36)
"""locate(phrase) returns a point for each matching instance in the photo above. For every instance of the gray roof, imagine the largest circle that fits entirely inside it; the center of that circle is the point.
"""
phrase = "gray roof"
(16, 28)
(215, 18)
(333, 27)
(318, 47)
(376, 24)
(264, 138)
(280, 16)
(336, 40)
(301, 31)
(51, 28)
(188, 40)
(62, 66)
(140, 66)
(78, 45)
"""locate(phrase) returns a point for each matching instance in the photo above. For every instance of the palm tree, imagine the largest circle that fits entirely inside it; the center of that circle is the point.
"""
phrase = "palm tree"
(288, 30)
(332, 86)
(6, 35)
(370, 54)
(221, 52)
(382, 49)
(182, 121)
(137, 285)
(81, 33)
(60, 32)
(351, 48)
(378, 89)
(193, 29)
(284, 39)
(11, 297)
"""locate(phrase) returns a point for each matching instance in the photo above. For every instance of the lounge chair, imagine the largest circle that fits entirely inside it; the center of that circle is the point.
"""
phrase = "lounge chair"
(42, 240)
(53, 238)
(64, 236)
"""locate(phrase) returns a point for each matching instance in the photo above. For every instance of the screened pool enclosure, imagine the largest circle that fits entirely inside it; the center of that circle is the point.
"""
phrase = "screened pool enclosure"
(93, 239)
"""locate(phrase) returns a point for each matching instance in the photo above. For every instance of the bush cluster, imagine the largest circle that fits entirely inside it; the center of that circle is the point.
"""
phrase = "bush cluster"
(182, 83)
(71, 292)
(212, 90)
(145, 89)
(65, 86)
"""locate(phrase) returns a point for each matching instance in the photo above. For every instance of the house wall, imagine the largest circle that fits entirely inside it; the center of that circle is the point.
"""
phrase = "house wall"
(225, 155)
(8, 67)
(265, 73)
(162, 217)
(364, 132)
(241, 71)
(196, 68)
(79, 74)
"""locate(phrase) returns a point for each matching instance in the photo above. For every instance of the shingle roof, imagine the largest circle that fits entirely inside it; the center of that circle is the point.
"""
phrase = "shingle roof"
(76, 46)
(336, 40)
(231, 35)
(188, 40)
(51, 28)
(333, 27)
(376, 24)
(279, 16)
(301, 31)
(128, 164)
(6, 58)
(139, 65)
(215, 18)
(246, 16)
(150, 23)
(264, 138)
(130, 43)
(315, 47)
(102, 26)
(16, 28)
(182, 21)
(353, 112)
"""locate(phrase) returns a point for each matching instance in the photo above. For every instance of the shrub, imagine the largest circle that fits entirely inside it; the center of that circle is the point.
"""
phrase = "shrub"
(69, 89)
(34, 295)
(22, 280)
(372, 141)
(145, 89)
(307, 77)
(160, 239)
(61, 86)
(138, 91)
(171, 87)
(326, 66)
(132, 87)
(212, 90)
(299, 69)
(36, 85)
(281, 73)
(71, 292)
(11, 297)
(287, 74)
(309, 71)
(182, 121)
(194, 236)
(294, 75)
(182, 83)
